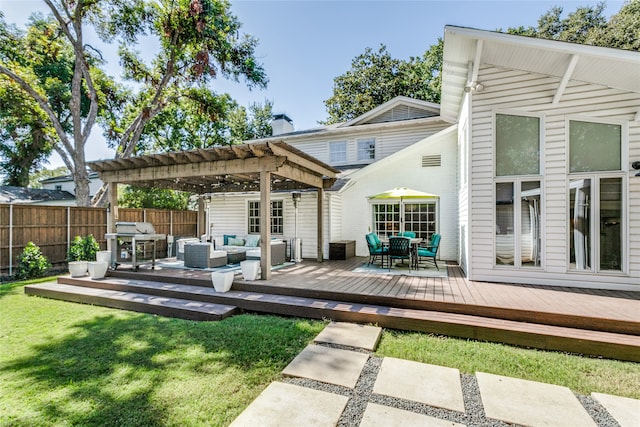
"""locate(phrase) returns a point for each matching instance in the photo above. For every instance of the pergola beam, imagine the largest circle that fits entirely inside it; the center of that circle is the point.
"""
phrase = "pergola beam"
(187, 170)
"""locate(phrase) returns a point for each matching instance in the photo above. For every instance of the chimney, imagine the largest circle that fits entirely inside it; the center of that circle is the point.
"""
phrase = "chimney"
(280, 124)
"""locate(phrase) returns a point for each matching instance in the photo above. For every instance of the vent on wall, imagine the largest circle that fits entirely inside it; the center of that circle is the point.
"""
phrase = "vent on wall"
(431, 161)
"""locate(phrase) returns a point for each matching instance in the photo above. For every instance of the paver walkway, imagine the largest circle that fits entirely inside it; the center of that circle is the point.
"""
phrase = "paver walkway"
(336, 381)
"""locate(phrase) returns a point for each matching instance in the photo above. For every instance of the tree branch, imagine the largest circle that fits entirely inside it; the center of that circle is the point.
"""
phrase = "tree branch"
(42, 102)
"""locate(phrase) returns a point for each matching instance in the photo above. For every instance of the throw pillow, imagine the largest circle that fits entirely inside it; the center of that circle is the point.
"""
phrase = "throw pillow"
(253, 241)
(233, 241)
(226, 238)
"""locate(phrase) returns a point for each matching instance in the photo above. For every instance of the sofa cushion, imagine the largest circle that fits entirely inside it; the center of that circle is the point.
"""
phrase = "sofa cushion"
(252, 241)
(226, 238)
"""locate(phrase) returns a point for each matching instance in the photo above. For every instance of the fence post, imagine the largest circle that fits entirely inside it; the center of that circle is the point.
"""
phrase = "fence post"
(68, 228)
(171, 222)
(144, 215)
(11, 240)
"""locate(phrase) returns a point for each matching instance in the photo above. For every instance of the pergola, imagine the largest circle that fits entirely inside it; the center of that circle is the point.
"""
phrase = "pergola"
(263, 167)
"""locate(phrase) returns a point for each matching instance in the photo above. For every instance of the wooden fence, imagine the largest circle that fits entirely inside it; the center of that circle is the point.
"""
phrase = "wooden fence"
(53, 227)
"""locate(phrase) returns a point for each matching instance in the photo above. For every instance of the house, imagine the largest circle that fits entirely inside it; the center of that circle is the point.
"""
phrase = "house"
(66, 183)
(530, 155)
(547, 135)
(377, 151)
(35, 196)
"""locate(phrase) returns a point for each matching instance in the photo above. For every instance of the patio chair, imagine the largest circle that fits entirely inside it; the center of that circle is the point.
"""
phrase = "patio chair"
(429, 251)
(399, 248)
(376, 249)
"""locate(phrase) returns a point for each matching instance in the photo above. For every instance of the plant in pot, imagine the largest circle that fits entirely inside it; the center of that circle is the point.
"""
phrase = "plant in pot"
(81, 252)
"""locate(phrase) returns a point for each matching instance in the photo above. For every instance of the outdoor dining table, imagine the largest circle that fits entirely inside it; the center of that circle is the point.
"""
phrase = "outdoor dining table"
(415, 241)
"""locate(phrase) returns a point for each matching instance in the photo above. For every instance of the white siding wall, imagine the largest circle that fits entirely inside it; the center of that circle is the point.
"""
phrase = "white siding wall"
(388, 141)
(463, 168)
(405, 170)
(228, 215)
(510, 90)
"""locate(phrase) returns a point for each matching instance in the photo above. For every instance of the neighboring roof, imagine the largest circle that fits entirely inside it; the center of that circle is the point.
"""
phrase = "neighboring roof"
(221, 169)
(466, 48)
(15, 195)
(66, 178)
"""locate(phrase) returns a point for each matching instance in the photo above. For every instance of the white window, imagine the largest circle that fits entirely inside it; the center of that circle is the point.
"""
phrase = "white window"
(366, 149)
(338, 152)
(517, 145)
(596, 197)
(417, 217)
(277, 217)
(518, 213)
(518, 200)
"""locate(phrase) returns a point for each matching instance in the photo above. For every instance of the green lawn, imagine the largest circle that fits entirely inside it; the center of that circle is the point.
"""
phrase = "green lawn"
(71, 364)
(581, 374)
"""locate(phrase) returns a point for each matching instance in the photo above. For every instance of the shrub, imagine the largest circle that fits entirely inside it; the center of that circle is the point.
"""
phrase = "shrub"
(83, 249)
(31, 263)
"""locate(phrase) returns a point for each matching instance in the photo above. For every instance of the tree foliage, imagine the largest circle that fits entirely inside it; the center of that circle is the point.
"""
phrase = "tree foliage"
(156, 198)
(588, 25)
(376, 77)
(196, 42)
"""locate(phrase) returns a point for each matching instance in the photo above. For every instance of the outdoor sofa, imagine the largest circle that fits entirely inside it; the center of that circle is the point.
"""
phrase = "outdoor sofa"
(250, 244)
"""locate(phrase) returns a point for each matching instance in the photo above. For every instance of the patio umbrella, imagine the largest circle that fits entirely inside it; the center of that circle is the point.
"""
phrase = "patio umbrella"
(403, 193)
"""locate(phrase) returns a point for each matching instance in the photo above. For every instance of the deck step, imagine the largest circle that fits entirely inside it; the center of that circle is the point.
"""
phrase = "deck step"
(133, 301)
(607, 344)
(331, 292)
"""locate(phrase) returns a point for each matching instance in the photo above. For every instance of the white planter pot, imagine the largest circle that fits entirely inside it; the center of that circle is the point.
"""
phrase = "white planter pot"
(103, 256)
(78, 268)
(250, 269)
(222, 280)
(97, 269)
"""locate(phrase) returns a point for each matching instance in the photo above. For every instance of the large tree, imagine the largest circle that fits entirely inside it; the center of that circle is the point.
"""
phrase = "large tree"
(197, 41)
(376, 77)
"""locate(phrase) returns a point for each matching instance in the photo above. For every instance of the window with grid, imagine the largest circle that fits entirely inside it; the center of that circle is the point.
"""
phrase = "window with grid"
(277, 217)
(386, 219)
(338, 152)
(420, 218)
(366, 149)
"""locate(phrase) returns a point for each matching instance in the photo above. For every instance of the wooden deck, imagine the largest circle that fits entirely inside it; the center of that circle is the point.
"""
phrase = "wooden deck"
(604, 323)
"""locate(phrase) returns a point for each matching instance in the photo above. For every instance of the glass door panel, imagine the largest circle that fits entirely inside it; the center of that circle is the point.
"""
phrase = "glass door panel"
(610, 224)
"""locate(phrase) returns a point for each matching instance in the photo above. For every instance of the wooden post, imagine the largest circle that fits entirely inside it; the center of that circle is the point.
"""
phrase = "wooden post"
(201, 219)
(265, 225)
(113, 208)
(320, 227)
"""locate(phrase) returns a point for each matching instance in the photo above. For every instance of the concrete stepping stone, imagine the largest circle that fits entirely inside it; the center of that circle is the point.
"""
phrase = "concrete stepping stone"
(432, 385)
(350, 334)
(384, 416)
(282, 404)
(530, 403)
(328, 365)
(624, 410)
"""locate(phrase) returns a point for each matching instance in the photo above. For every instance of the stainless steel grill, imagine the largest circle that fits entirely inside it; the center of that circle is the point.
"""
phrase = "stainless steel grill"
(130, 239)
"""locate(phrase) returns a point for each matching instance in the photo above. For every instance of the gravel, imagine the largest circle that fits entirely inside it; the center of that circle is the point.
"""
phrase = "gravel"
(474, 411)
